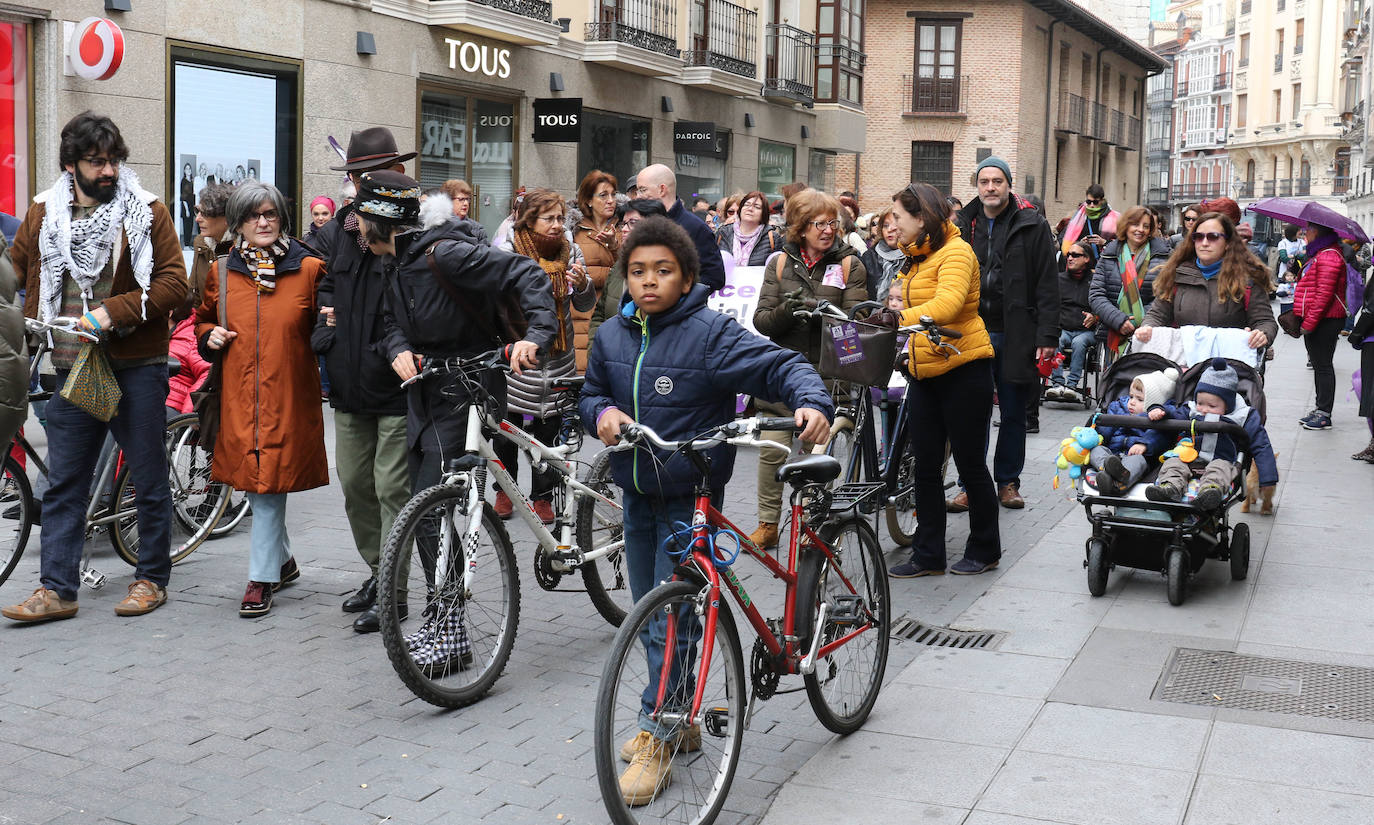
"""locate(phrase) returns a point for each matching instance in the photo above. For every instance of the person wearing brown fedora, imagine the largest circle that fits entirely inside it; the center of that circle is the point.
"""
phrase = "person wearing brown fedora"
(369, 404)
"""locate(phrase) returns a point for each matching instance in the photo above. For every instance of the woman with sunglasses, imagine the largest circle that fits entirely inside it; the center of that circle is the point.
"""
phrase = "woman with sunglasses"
(1212, 280)
(1189, 221)
(1122, 283)
(1077, 322)
(749, 239)
(815, 265)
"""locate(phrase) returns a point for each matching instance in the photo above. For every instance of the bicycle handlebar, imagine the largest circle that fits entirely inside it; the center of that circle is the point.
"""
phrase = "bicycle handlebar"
(495, 359)
(61, 323)
(740, 433)
(926, 326)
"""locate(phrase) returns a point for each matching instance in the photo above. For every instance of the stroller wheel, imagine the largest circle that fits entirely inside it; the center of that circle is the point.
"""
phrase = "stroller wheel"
(1240, 552)
(1097, 567)
(1177, 576)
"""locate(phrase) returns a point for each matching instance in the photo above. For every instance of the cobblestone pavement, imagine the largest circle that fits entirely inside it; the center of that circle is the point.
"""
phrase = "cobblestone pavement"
(193, 715)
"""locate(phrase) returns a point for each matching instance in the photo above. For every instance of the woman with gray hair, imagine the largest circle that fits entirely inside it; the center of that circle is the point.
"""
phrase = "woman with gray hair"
(271, 435)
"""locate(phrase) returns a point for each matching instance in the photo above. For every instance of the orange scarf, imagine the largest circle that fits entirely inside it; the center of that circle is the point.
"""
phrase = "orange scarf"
(556, 268)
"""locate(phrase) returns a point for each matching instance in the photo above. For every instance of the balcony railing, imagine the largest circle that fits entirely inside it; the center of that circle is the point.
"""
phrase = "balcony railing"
(1196, 191)
(1270, 187)
(1157, 97)
(1245, 189)
(1278, 62)
(648, 24)
(1222, 82)
(935, 95)
(790, 63)
(1182, 89)
(1099, 125)
(725, 37)
(1243, 62)
(1071, 114)
(1340, 184)
(1158, 146)
(1135, 133)
(1302, 187)
(540, 10)
(1286, 188)
(1118, 121)
(1157, 195)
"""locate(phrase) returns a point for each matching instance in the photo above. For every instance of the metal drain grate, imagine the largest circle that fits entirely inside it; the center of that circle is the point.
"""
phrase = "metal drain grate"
(913, 630)
(1231, 680)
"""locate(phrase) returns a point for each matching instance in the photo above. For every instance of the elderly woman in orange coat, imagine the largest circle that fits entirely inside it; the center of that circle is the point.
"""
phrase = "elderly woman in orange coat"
(271, 437)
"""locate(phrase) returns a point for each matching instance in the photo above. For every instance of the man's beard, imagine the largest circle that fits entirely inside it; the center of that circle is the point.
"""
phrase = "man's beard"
(102, 189)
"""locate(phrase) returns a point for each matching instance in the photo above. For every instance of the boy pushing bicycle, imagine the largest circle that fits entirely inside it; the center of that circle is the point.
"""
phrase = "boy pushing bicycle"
(669, 362)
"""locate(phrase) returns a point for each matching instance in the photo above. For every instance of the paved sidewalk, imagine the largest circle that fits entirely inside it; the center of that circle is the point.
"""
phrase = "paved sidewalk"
(1059, 723)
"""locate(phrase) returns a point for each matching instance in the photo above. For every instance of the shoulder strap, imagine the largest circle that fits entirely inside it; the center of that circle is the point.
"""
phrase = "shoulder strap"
(479, 318)
(844, 268)
(223, 268)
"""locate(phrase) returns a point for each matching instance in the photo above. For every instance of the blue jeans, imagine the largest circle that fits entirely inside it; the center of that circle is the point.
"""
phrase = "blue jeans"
(1082, 343)
(648, 523)
(74, 441)
(268, 545)
(1010, 456)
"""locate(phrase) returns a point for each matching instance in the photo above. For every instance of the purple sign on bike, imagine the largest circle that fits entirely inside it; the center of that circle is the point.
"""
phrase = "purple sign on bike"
(848, 348)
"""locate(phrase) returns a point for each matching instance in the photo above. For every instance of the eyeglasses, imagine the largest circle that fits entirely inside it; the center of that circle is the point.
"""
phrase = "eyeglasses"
(821, 226)
(1210, 237)
(101, 163)
(629, 223)
(1074, 255)
(1190, 218)
(269, 215)
(463, 199)
(1092, 201)
(549, 219)
(204, 214)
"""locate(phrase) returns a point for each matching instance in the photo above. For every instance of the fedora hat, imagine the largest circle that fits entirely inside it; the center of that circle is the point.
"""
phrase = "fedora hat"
(372, 148)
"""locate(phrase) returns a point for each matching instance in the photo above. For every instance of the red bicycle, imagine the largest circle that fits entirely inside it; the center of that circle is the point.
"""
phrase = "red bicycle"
(672, 694)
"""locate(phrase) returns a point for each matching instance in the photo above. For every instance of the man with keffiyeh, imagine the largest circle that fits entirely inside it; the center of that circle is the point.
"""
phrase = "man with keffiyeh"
(99, 247)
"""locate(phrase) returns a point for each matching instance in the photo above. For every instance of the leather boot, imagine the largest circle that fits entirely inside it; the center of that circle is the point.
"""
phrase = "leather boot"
(363, 599)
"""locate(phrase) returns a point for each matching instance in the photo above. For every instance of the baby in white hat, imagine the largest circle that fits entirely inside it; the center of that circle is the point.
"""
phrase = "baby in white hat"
(1125, 452)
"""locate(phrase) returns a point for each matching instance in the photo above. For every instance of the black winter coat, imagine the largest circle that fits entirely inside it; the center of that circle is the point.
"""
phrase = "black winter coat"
(1073, 299)
(1106, 288)
(421, 317)
(1021, 268)
(712, 267)
(360, 376)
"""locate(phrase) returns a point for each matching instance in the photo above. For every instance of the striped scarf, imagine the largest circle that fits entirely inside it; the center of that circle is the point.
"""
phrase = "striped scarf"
(262, 261)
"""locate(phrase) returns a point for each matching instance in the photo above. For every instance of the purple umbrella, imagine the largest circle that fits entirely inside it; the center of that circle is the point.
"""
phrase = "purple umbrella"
(1301, 212)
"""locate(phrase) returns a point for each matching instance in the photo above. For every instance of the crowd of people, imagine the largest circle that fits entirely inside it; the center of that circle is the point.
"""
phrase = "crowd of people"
(613, 282)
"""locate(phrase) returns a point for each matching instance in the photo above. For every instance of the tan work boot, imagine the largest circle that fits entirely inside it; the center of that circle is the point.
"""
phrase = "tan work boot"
(144, 597)
(43, 606)
(958, 504)
(649, 773)
(687, 742)
(765, 535)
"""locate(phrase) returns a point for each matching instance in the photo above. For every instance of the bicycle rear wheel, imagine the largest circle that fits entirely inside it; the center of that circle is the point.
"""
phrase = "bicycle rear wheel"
(844, 446)
(234, 514)
(17, 508)
(845, 683)
(901, 511)
(599, 524)
(703, 760)
(448, 638)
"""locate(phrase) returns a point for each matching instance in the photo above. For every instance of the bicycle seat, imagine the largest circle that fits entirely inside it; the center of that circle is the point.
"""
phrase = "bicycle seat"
(817, 469)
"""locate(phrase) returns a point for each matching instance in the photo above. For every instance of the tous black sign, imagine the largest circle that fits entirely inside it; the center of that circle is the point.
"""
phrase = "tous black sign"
(558, 120)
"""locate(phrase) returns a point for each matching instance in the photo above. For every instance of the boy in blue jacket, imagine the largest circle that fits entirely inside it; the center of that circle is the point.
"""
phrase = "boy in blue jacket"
(1125, 453)
(1216, 399)
(672, 364)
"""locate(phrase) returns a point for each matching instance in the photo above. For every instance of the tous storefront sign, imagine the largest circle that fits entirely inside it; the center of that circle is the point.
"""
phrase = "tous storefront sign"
(478, 58)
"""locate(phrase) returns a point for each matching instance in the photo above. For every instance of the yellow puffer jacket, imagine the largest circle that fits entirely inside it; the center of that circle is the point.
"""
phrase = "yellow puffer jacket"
(944, 285)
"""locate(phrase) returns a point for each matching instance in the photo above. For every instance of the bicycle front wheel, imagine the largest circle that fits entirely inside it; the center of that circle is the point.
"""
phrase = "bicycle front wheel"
(845, 683)
(17, 508)
(449, 596)
(701, 758)
(600, 524)
(901, 511)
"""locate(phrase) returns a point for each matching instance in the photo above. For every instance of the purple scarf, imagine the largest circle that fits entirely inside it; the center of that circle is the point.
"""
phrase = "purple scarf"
(744, 244)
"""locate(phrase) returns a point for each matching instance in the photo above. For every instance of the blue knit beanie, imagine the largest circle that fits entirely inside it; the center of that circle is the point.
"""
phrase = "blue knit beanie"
(1220, 380)
(993, 160)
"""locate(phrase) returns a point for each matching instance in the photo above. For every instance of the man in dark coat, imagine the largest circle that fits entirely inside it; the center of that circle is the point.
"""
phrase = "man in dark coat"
(369, 404)
(658, 183)
(1019, 304)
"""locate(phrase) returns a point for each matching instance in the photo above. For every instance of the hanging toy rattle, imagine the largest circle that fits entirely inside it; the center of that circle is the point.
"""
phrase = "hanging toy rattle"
(1074, 452)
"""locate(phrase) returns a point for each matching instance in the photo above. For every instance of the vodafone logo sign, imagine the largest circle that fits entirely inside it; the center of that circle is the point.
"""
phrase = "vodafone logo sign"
(96, 48)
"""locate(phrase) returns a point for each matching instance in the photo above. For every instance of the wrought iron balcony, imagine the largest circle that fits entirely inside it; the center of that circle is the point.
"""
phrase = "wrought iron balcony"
(1302, 187)
(1286, 188)
(1118, 131)
(1222, 83)
(1340, 184)
(1269, 189)
(1072, 114)
(1099, 123)
(534, 9)
(1135, 131)
(935, 95)
(1182, 89)
(1245, 189)
(725, 37)
(1157, 195)
(790, 64)
(648, 24)
(1195, 192)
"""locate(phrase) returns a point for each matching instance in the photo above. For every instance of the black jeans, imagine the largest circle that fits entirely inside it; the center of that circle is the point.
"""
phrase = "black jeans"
(545, 430)
(957, 407)
(1321, 349)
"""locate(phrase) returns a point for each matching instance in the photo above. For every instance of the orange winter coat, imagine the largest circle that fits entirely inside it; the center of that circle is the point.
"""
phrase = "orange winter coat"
(271, 436)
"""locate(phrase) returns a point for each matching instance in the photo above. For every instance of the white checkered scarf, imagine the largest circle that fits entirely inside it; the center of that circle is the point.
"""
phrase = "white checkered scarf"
(83, 247)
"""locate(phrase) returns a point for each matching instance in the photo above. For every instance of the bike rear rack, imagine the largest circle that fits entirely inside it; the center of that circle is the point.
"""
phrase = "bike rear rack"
(866, 496)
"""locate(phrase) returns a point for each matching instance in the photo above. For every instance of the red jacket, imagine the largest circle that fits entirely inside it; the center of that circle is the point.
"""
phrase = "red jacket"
(1321, 290)
(193, 368)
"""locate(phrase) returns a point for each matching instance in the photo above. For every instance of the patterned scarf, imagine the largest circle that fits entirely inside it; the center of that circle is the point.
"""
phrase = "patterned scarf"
(82, 248)
(554, 261)
(351, 226)
(262, 261)
(1132, 275)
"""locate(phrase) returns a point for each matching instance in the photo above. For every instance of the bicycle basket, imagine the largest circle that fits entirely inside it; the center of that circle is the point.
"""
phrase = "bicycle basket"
(857, 352)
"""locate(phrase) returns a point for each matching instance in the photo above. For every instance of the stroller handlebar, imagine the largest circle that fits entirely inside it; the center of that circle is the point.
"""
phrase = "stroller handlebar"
(1230, 428)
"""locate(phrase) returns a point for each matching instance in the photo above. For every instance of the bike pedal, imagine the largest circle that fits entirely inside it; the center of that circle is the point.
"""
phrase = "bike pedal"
(847, 610)
(93, 578)
(716, 721)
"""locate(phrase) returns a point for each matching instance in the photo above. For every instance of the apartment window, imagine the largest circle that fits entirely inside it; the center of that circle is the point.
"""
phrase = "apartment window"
(1297, 37)
(1278, 106)
(937, 66)
(1244, 52)
(1086, 79)
(1106, 85)
(1297, 99)
(932, 162)
(1065, 52)
(839, 51)
(1278, 50)
(1242, 110)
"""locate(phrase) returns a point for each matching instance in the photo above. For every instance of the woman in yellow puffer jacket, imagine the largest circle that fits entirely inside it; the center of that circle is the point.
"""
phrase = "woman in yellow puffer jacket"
(950, 398)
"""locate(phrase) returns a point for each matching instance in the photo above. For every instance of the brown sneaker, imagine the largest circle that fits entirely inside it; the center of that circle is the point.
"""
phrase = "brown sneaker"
(765, 535)
(1010, 497)
(649, 773)
(144, 597)
(958, 504)
(687, 742)
(43, 606)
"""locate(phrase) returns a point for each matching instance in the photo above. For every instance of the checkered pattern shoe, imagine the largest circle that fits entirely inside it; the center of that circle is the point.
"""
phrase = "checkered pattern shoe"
(446, 646)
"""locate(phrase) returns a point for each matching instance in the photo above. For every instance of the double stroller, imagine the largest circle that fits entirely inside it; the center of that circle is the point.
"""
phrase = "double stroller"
(1176, 539)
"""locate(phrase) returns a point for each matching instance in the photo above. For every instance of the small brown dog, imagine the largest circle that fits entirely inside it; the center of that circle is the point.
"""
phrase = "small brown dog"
(1254, 493)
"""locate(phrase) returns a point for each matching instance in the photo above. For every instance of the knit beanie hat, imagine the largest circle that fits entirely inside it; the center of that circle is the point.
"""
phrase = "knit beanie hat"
(1220, 380)
(993, 160)
(388, 197)
(1157, 387)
